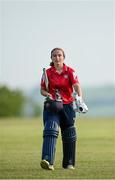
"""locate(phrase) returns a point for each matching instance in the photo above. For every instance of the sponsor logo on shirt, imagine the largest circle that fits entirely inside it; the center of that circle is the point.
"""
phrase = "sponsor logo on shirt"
(66, 76)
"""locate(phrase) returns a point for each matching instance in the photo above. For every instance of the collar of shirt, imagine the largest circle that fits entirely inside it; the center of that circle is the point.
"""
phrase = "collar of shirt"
(53, 69)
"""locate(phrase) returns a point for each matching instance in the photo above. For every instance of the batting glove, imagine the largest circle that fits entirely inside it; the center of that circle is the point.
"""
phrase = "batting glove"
(81, 107)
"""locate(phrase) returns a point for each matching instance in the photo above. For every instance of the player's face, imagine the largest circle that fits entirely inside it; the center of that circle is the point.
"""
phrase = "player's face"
(57, 58)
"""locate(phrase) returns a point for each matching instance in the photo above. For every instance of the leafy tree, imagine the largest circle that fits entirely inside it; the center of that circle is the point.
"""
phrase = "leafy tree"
(11, 102)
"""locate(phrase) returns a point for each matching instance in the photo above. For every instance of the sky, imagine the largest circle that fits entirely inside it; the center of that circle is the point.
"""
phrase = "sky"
(29, 30)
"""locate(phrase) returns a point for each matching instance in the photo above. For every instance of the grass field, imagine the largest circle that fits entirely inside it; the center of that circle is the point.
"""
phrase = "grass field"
(21, 142)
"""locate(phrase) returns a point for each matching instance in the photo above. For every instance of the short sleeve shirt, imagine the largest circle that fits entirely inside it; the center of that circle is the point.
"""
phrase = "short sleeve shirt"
(62, 82)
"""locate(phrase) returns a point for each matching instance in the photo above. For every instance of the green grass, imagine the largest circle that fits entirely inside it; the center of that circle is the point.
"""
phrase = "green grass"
(21, 143)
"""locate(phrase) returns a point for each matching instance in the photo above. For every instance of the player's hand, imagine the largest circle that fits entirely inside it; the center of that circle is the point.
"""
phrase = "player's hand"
(48, 97)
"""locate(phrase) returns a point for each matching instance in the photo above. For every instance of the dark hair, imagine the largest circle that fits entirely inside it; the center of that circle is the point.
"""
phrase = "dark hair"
(51, 64)
(60, 49)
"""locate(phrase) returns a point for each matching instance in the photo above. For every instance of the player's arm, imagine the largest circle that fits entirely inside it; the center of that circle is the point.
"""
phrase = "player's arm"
(78, 89)
(44, 92)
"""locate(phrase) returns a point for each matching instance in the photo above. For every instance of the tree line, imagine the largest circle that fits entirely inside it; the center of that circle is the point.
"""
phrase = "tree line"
(13, 103)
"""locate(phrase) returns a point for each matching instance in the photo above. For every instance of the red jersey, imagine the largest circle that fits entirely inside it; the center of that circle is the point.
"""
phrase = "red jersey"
(62, 82)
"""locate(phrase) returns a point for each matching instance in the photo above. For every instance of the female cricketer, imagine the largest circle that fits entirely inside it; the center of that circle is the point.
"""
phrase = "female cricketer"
(58, 83)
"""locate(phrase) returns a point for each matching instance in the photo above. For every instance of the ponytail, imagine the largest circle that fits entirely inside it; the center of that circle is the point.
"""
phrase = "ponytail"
(51, 64)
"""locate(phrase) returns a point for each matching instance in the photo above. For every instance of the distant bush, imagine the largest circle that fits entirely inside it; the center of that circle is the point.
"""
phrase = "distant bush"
(14, 103)
(11, 102)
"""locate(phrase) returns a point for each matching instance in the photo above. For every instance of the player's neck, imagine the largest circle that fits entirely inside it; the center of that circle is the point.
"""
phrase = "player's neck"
(59, 69)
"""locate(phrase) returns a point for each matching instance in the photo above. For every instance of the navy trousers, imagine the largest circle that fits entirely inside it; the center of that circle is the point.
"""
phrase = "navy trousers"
(64, 119)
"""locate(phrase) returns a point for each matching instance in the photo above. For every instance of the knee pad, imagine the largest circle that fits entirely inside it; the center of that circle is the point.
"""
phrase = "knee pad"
(69, 134)
(51, 128)
(69, 146)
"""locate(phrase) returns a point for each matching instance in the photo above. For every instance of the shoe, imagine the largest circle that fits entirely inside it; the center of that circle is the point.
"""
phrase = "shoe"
(70, 167)
(45, 165)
